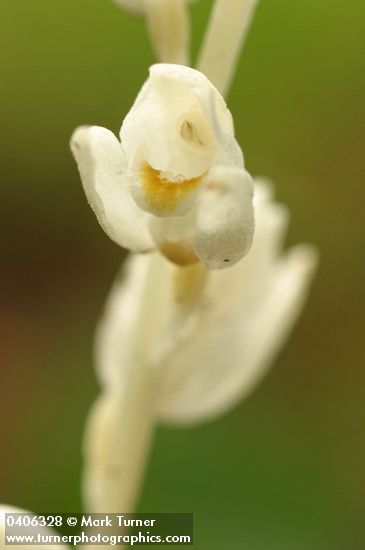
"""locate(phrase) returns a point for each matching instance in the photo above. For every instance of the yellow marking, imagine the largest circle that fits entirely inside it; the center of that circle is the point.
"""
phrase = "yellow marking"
(162, 195)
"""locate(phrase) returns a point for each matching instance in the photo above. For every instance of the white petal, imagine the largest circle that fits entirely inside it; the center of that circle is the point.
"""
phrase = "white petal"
(102, 167)
(227, 355)
(43, 531)
(127, 312)
(225, 217)
(174, 237)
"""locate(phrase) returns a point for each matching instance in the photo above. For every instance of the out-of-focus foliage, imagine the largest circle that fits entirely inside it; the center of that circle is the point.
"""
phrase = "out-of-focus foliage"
(285, 470)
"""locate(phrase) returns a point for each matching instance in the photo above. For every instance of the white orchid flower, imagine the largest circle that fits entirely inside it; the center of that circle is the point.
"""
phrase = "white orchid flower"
(181, 346)
(42, 531)
(176, 181)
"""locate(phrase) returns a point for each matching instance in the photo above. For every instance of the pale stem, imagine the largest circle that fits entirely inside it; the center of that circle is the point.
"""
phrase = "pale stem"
(169, 28)
(228, 26)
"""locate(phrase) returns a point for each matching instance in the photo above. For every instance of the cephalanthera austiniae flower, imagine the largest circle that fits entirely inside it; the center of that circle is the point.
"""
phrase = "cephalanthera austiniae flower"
(176, 181)
(182, 346)
(44, 532)
(168, 26)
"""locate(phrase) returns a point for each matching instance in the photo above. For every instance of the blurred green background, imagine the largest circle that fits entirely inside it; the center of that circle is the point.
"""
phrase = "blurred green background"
(285, 470)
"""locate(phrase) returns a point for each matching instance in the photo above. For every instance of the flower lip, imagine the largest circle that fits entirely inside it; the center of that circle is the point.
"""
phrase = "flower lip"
(163, 194)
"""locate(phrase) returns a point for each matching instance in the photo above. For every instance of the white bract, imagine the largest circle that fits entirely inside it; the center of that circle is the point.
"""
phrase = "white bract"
(176, 181)
(42, 531)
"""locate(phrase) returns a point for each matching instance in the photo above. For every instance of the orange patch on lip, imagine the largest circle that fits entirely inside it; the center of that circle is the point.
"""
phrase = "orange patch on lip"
(164, 196)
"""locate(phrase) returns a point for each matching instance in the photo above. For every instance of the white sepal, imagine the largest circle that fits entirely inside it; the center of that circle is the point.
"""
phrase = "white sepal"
(227, 354)
(211, 334)
(102, 168)
(114, 455)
